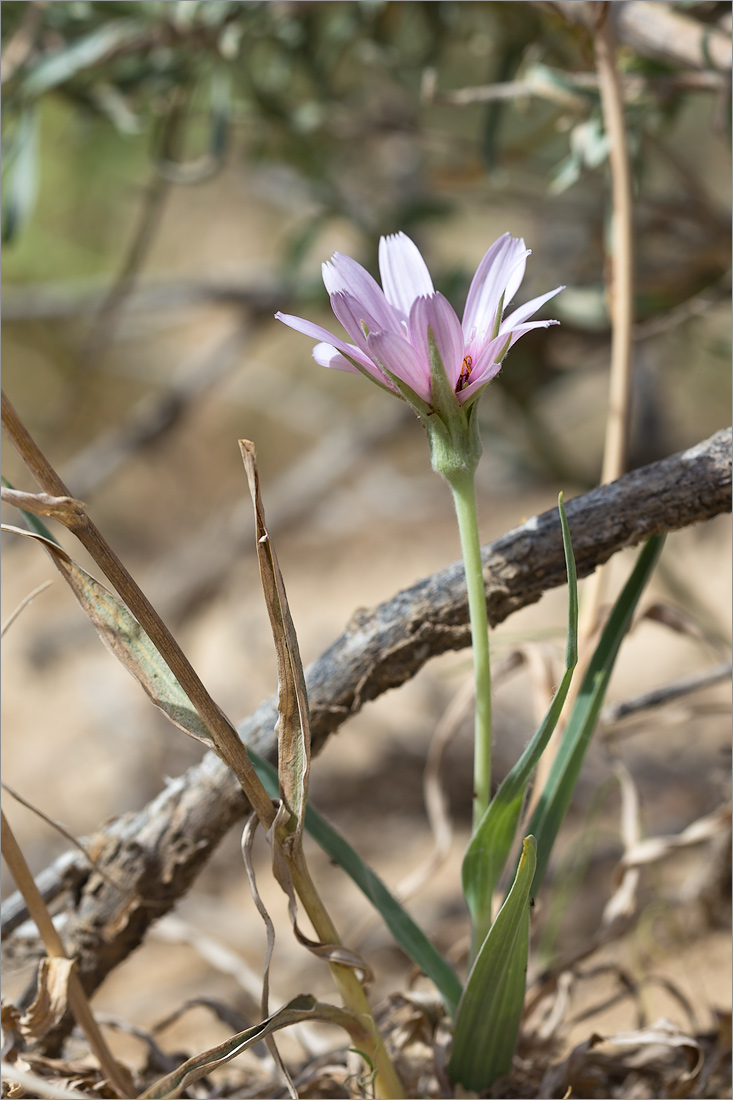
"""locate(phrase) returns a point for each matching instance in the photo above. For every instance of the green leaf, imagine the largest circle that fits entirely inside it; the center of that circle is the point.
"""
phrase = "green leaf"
(411, 938)
(558, 790)
(82, 54)
(20, 187)
(490, 1010)
(491, 843)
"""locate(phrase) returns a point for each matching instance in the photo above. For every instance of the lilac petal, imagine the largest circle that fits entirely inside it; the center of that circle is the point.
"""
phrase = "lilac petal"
(353, 316)
(405, 275)
(402, 360)
(527, 309)
(500, 272)
(327, 356)
(518, 330)
(515, 276)
(345, 276)
(317, 332)
(437, 313)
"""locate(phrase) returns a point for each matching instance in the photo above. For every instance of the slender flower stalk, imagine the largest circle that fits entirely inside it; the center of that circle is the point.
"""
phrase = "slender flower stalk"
(464, 498)
(407, 338)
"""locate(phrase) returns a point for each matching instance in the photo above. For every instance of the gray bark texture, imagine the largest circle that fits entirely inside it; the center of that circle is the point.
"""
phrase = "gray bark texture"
(155, 854)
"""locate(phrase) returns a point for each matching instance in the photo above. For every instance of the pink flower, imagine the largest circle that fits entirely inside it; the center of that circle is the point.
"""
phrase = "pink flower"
(389, 325)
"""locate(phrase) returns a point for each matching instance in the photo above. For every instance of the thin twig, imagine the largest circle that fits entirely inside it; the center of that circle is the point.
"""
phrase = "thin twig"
(621, 259)
(540, 85)
(620, 292)
(22, 43)
(23, 604)
(678, 689)
(68, 835)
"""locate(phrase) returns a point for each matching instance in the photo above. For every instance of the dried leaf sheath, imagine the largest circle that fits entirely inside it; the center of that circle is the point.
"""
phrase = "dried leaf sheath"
(293, 724)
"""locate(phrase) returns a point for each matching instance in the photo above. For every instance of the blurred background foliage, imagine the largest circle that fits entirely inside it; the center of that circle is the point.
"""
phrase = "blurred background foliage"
(172, 155)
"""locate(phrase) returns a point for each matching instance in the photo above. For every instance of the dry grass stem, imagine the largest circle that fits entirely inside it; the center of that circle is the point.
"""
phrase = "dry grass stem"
(116, 1074)
(22, 605)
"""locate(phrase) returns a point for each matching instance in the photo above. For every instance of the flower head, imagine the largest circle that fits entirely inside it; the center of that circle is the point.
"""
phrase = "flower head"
(397, 328)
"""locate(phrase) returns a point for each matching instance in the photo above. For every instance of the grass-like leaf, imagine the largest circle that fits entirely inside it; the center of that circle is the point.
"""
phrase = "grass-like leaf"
(409, 936)
(558, 789)
(490, 1009)
(491, 843)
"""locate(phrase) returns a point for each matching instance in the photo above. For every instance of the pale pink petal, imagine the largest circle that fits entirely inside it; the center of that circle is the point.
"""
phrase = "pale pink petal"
(327, 356)
(345, 276)
(527, 310)
(405, 275)
(308, 328)
(500, 272)
(519, 330)
(515, 275)
(353, 315)
(317, 332)
(437, 313)
(402, 360)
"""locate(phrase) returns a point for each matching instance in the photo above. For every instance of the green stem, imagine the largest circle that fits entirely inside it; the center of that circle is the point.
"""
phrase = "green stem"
(464, 496)
(387, 1084)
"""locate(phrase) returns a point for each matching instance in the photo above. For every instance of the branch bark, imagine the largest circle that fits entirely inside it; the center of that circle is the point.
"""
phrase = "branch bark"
(656, 30)
(158, 852)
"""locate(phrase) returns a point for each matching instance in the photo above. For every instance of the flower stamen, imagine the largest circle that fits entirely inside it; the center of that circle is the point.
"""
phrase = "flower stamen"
(465, 374)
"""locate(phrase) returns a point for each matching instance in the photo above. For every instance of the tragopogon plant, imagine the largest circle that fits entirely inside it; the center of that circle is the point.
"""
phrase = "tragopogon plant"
(408, 339)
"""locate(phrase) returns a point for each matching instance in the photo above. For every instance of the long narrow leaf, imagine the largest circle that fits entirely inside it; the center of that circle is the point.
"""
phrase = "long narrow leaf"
(490, 1010)
(410, 937)
(563, 776)
(63, 64)
(490, 845)
(293, 723)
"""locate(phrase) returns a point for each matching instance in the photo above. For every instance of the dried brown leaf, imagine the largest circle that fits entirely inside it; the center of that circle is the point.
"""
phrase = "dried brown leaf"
(654, 848)
(25, 1083)
(51, 1000)
(248, 837)
(293, 725)
(621, 906)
